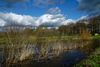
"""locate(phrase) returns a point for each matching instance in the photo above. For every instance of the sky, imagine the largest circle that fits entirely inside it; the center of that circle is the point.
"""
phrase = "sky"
(69, 8)
(46, 12)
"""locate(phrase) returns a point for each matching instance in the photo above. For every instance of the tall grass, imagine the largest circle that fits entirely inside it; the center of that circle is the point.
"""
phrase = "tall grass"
(25, 45)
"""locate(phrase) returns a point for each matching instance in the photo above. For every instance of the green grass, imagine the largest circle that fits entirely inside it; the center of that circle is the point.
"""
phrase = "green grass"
(92, 61)
(35, 39)
(96, 37)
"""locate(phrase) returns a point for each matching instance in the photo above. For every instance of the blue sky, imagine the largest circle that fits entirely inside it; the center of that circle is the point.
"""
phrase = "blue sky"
(69, 9)
(46, 12)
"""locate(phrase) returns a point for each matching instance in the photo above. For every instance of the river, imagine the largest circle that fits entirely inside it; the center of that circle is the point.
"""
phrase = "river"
(51, 55)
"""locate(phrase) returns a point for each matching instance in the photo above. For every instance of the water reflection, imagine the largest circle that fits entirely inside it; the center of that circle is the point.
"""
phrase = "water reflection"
(72, 57)
(55, 54)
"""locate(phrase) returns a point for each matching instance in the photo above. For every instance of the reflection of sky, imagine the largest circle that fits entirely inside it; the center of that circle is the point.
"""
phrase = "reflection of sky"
(71, 58)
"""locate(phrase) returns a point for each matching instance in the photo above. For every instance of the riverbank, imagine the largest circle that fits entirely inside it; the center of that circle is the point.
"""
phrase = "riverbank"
(93, 60)
(42, 48)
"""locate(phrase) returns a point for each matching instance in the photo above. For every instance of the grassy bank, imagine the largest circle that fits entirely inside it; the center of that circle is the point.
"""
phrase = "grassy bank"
(92, 60)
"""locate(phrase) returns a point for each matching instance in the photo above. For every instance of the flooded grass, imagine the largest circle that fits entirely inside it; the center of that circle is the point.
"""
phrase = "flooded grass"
(41, 51)
(24, 50)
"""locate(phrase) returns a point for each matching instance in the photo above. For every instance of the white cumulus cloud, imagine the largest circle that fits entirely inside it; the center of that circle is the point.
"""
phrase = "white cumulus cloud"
(52, 18)
(55, 10)
(2, 22)
(12, 18)
(46, 19)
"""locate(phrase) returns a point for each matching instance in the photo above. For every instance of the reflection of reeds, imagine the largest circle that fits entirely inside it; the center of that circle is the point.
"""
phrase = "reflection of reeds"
(16, 53)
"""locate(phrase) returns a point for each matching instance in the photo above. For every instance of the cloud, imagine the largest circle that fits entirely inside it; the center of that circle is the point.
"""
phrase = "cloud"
(55, 10)
(47, 2)
(12, 18)
(7, 19)
(68, 21)
(42, 2)
(90, 6)
(52, 18)
(83, 18)
(2, 22)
